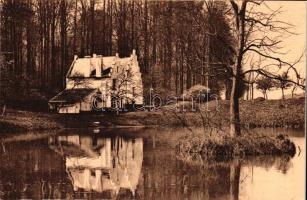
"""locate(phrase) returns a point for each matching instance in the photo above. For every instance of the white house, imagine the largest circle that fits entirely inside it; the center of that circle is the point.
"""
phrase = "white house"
(115, 82)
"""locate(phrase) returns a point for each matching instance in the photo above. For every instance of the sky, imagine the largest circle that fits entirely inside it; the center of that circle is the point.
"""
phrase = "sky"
(295, 14)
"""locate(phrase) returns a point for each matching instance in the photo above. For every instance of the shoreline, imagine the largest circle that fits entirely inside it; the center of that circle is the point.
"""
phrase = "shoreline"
(254, 114)
(219, 147)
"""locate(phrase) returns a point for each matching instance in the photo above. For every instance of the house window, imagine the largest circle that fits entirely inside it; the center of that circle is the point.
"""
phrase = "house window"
(133, 91)
(93, 173)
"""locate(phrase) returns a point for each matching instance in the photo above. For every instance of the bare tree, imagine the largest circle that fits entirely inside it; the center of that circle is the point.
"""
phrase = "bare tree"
(121, 91)
(259, 33)
(264, 84)
(282, 83)
(294, 88)
(179, 44)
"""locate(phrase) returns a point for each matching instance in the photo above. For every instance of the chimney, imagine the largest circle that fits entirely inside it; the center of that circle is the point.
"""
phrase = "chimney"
(116, 55)
(101, 62)
(133, 52)
(96, 65)
(75, 57)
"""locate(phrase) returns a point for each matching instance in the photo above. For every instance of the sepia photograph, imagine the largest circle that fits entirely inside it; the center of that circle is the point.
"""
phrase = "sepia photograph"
(153, 99)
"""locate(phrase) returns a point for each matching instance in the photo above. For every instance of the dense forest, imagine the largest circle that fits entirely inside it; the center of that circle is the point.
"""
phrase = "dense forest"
(179, 44)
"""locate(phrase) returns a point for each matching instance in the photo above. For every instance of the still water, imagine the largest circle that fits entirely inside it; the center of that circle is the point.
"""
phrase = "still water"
(139, 164)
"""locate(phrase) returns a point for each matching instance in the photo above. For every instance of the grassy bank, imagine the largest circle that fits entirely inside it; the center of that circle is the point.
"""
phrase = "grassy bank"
(20, 121)
(222, 147)
(272, 113)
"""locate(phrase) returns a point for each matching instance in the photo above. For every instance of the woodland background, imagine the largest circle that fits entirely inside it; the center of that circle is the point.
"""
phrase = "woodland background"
(179, 44)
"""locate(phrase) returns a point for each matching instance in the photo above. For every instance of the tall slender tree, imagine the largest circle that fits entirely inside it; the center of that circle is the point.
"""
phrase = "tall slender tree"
(247, 22)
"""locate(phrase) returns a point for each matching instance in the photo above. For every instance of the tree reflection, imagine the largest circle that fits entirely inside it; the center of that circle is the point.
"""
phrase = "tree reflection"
(93, 167)
(223, 179)
(234, 179)
(109, 166)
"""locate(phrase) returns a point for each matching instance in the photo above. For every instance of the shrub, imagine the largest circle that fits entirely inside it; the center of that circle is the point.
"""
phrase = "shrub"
(226, 148)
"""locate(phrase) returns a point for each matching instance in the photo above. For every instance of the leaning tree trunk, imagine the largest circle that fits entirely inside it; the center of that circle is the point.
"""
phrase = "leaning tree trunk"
(292, 92)
(239, 16)
(234, 106)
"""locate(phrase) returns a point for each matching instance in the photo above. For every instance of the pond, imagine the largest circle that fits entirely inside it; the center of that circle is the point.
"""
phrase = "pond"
(139, 164)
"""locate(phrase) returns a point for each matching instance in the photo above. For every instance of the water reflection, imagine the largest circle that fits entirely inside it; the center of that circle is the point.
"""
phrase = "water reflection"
(104, 165)
(142, 166)
(31, 170)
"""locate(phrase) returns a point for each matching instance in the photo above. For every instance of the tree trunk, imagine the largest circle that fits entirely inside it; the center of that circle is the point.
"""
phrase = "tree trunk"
(228, 86)
(282, 93)
(181, 70)
(82, 30)
(75, 28)
(111, 26)
(103, 48)
(237, 68)
(92, 48)
(53, 66)
(146, 41)
(247, 92)
(234, 109)
(252, 91)
(132, 26)
(63, 36)
(293, 90)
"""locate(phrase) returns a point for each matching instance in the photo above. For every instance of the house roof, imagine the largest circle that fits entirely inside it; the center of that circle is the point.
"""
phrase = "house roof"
(84, 67)
(72, 95)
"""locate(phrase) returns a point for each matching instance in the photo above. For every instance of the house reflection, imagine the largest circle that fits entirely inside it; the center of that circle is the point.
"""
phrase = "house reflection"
(92, 167)
(103, 165)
